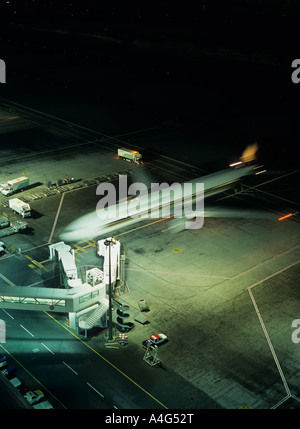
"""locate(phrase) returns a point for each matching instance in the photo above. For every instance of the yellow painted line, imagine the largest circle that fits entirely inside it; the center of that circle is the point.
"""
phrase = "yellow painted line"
(39, 265)
(90, 244)
(176, 250)
(80, 248)
(41, 384)
(107, 361)
(140, 227)
(245, 406)
(76, 259)
(31, 266)
(27, 256)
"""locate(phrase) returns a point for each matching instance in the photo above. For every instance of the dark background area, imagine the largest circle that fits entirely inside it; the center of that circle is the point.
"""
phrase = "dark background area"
(234, 46)
(109, 52)
(162, 62)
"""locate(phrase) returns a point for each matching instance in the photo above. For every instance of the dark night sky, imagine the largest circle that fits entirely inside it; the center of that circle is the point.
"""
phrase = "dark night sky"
(241, 46)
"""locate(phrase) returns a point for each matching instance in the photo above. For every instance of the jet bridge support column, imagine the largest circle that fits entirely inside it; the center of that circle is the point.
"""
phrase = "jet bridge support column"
(72, 321)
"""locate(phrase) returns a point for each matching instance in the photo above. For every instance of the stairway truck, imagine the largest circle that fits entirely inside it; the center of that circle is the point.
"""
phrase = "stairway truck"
(14, 185)
(130, 155)
(18, 206)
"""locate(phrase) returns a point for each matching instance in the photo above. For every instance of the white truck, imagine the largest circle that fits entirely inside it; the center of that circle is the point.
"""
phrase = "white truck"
(45, 405)
(130, 155)
(18, 206)
(14, 185)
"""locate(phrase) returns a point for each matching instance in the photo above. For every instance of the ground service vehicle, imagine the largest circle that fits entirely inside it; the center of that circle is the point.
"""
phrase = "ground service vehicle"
(130, 155)
(18, 384)
(3, 362)
(33, 397)
(4, 222)
(155, 340)
(9, 372)
(18, 206)
(14, 185)
(45, 405)
(8, 228)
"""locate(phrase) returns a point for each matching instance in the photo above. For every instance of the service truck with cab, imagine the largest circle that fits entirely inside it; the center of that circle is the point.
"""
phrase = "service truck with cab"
(14, 185)
(18, 206)
(130, 155)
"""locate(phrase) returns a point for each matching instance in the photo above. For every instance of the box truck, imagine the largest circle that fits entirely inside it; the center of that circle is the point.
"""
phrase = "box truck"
(18, 206)
(14, 185)
(130, 155)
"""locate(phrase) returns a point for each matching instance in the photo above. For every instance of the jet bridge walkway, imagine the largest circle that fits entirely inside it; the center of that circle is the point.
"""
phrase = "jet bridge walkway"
(72, 300)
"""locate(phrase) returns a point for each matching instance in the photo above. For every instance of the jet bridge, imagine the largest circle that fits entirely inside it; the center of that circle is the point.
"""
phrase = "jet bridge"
(51, 299)
(76, 301)
(86, 303)
(65, 257)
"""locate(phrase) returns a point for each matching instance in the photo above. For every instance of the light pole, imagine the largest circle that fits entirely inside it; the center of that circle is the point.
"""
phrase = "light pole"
(108, 243)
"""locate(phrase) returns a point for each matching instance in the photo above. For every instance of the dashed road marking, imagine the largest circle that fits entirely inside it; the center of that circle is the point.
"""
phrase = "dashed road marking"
(73, 370)
(27, 330)
(47, 348)
(106, 360)
(97, 391)
(7, 313)
(28, 372)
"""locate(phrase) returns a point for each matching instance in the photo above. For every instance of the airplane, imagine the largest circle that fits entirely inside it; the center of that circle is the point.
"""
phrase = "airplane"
(131, 210)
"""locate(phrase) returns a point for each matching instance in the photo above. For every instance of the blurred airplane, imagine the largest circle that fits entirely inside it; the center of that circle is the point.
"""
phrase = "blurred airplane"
(106, 221)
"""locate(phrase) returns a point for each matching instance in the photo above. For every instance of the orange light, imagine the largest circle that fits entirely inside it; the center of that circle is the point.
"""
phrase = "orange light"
(286, 216)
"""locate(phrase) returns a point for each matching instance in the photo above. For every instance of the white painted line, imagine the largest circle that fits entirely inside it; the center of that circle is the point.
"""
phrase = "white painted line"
(27, 330)
(47, 348)
(56, 218)
(70, 368)
(266, 332)
(7, 313)
(7, 280)
(115, 407)
(97, 391)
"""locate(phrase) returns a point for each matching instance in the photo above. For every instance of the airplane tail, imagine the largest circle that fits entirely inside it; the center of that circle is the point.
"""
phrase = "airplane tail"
(249, 154)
